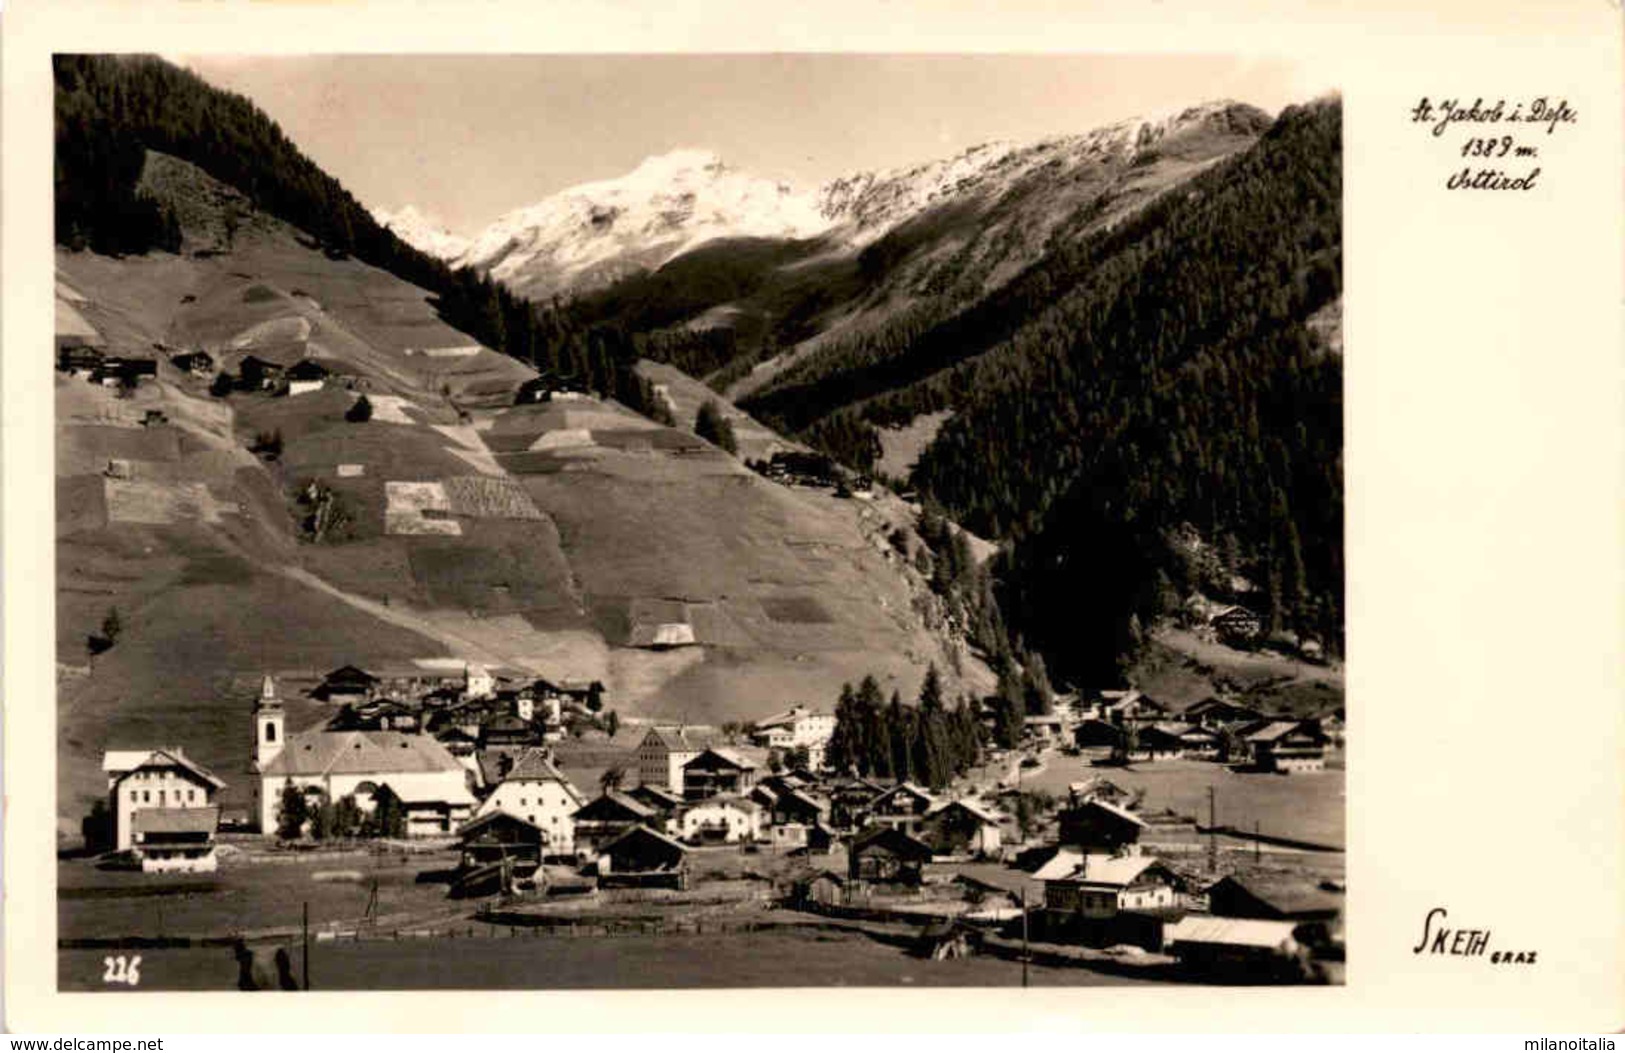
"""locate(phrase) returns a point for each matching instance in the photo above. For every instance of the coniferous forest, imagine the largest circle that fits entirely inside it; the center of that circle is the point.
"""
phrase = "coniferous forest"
(111, 109)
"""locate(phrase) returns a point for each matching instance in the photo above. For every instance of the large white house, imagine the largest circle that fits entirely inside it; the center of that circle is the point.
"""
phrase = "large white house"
(430, 783)
(537, 792)
(795, 727)
(162, 779)
(664, 751)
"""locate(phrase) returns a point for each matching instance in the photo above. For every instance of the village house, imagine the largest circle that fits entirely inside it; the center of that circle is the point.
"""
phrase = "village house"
(723, 819)
(798, 806)
(1237, 949)
(1094, 733)
(1215, 713)
(903, 807)
(608, 816)
(1046, 729)
(1095, 823)
(139, 780)
(717, 771)
(170, 840)
(887, 855)
(664, 802)
(1161, 740)
(797, 727)
(1131, 707)
(850, 799)
(1288, 746)
(259, 374)
(430, 783)
(498, 837)
(194, 363)
(1098, 886)
(642, 857)
(306, 375)
(536, 791)
(1236, 626)
(1272, 900)
(1099, 788)
(962, 828)
(347, 683)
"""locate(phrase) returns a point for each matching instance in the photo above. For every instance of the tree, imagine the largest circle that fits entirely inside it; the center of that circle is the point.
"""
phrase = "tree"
(612, 723)
(798, 757)
(346, 817)
(711, 425)
(291, 813)
(613, 778)
(775, 761)
(388, 818)
(360, 412)
(112, 625)
(595, 696)
(321, 819)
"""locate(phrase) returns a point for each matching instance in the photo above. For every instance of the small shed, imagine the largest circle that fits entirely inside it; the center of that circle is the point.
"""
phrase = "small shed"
(644, 857)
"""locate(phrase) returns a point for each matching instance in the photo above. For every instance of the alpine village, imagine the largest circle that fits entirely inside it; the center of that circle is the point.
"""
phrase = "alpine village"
(935, 578)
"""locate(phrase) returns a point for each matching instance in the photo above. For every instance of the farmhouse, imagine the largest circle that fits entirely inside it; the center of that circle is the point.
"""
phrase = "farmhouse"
(886, 854)
(1288, 746)
(347, 683)
(195, 363)
(903, 807)
(1214, 713)
(608, 816)
(1096, 823)
(495, 836)
(1236, 625)
(716, 771)
(644, 857)
(962, 828)
(419, 771)
(537, 792)
(723, 819)
(162, 779)
(306, 375)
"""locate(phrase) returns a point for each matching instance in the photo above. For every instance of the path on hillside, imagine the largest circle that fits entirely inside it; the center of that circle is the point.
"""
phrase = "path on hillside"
(461, 646)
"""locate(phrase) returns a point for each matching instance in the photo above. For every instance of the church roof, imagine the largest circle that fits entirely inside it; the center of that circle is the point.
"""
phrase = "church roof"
(360, 753)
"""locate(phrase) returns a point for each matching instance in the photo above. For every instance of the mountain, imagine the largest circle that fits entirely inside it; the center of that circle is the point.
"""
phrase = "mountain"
(236, 531)
(428, 236)
(590, 235)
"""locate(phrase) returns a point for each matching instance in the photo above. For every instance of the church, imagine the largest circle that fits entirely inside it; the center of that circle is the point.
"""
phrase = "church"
(431, 783)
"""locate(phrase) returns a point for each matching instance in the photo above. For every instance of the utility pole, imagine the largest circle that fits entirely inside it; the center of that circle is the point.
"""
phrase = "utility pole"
(1212, 843)
(304, 926)
(1025, 956)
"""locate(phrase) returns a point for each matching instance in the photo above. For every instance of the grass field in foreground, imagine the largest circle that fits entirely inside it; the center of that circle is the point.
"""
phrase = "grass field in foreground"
(774, 958)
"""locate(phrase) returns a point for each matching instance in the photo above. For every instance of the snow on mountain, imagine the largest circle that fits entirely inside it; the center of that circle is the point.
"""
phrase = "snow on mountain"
(591, 234)
(423, 233)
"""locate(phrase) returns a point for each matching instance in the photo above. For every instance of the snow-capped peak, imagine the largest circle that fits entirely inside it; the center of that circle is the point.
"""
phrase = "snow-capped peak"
(422, 232)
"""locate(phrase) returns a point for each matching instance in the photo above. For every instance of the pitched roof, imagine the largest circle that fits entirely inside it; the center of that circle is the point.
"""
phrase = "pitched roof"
(1094, 868)
(632, 805)
(479, 822)
(1231, 932)
(647, 832)
(1273, 731)
(970, 806)
(892, 839)
(744, 804)
(912, 788)
(176, 820)
(361, 753)
(680, 738)
(727, 756)
(122, 762)
(1286, 897)
(1112, 809)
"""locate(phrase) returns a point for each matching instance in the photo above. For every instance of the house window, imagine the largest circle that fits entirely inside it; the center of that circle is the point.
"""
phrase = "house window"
(146, 796)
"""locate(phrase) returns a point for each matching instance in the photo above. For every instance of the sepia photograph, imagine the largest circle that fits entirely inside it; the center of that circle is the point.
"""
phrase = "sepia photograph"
(681, 521)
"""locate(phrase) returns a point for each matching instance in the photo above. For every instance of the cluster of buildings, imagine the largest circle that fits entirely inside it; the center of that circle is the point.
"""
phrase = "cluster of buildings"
(85, 361)
(1134, 725)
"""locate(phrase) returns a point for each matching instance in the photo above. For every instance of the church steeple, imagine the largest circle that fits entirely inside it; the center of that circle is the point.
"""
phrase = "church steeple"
(270, 724)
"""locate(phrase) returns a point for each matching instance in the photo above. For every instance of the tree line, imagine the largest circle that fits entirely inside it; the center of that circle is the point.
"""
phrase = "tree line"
(929, 742)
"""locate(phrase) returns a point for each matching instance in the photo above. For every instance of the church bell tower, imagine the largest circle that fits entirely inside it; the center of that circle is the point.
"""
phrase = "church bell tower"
(269, 725)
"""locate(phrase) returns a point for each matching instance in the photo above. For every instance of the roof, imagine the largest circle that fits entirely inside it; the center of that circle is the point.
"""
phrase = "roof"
(789, 716)
(909, 788)
(1112, 809)
(1274, 730)
(680, 738)
(1285, 897)
(481, 821)
(361, 753)
(892, 839)
(307, 369)
(175, 820)
(1043, 718)
(665, 798)
(744, 804)
(647, 832)
(615, 797)
(972, 807)
(1230, 932)
(728, 756)
(349, 674)
(122, 762)
(1094, 868)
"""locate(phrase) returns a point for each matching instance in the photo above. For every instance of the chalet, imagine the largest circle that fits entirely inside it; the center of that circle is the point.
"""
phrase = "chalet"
(1045, 728)
(431, 783)
(903, 807)
(78, 358)
(1236, 626)
(458, 740)
(723, 819)
(1162, 740)
(508, 730)
(142, 780)
(1098, 825)
(962, 828)
(167, 840)
(347, 683)
(1288, 746)
(1101, 886)
(195, 363)
(496, 835)
(1099, 788)
(664, 751)
(537, 792)
(664, 802)
(644, 857)
(610, 815)
(1215, 713)
(850, 801)
(1237, 948)
(825, 888)
(822, 838)
(1131, 707)
(798, 806)
(306, 375)
(1094, 733)
(1199, 741)
(887, 855)
(717, 771)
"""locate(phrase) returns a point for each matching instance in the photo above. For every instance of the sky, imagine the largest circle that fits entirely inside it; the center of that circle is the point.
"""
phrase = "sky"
(467, 138)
